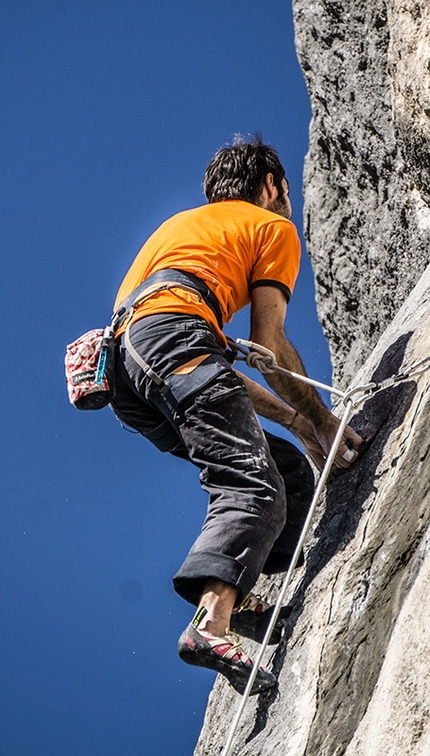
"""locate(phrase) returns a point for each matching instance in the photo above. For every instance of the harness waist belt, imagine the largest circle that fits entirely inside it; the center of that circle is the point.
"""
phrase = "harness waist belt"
(170, 277)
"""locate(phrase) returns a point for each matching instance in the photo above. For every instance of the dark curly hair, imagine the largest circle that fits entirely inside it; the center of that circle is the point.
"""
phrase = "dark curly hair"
(237, 171)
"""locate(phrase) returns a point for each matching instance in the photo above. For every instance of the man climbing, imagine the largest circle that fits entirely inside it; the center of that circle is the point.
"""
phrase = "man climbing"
(176, 386)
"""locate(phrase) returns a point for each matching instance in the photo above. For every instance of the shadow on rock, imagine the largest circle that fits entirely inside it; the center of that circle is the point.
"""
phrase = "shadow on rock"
(347, 493)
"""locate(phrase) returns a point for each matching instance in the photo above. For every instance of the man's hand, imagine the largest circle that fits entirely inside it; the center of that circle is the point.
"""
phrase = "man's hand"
(317, 442)
(304, 432)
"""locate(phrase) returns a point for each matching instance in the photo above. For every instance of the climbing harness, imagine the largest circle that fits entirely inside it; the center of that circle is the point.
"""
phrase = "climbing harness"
(162, 280)
(264, 360)
(89, 361)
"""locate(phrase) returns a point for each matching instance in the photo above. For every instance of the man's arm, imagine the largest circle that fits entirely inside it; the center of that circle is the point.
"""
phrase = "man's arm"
(272, 408)
(268, 312)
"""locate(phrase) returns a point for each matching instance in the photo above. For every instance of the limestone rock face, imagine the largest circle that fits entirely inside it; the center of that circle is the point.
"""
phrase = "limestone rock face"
(367, 174)
(354, 664)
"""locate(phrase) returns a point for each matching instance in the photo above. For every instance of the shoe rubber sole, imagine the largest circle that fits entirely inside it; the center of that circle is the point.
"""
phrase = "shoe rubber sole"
(200, 654)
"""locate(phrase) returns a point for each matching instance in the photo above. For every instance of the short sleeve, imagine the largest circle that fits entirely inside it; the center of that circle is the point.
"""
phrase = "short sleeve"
(277, 260)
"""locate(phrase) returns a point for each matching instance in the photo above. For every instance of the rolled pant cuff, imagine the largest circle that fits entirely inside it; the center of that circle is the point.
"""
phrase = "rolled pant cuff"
(190, 580)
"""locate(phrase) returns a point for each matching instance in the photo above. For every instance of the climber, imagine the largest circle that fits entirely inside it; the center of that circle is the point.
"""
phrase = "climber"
(175, 385)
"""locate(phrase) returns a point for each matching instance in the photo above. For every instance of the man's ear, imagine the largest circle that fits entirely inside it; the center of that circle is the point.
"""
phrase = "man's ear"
(269, 191)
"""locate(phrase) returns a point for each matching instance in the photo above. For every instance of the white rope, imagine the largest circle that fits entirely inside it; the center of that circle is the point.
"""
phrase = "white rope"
(265, 361)
(278, 605)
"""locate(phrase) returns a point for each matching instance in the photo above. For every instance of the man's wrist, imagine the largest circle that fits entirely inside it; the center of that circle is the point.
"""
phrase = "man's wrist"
(290, 425)
(323, 419)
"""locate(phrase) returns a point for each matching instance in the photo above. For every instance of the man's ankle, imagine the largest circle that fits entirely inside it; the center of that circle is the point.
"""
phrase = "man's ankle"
(208, 624)
(215, 608)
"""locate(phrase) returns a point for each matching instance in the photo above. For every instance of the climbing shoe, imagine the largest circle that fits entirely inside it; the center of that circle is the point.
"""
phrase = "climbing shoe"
(252, 619)
(224, 655)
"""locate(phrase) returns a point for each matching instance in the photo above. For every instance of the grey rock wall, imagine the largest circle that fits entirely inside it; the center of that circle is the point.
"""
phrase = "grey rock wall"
(354, 664)
(367, 174)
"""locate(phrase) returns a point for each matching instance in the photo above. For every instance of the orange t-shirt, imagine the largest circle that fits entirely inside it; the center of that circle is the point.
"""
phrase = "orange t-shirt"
(233, 246)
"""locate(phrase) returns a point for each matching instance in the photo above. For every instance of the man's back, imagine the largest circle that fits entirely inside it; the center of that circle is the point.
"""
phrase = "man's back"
(232, 246)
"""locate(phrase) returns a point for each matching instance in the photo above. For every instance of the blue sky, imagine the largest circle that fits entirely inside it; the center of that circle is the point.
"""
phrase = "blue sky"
(110, 112)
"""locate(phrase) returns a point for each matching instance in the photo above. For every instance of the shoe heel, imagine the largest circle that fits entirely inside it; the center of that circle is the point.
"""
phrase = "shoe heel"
(185, 652)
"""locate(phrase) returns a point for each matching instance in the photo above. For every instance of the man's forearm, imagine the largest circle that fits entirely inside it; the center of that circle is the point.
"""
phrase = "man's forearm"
(267, 404)
(272, 408)
(316, 426)
(300, 395)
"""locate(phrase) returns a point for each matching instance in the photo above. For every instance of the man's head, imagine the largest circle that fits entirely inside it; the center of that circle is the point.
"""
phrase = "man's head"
(248, 170)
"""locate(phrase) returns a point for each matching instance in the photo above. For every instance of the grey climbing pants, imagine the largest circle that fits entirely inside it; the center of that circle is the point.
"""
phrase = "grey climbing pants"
(207, 417)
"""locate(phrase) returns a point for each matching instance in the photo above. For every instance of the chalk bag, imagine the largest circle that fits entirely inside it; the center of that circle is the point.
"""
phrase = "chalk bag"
(89, 365)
